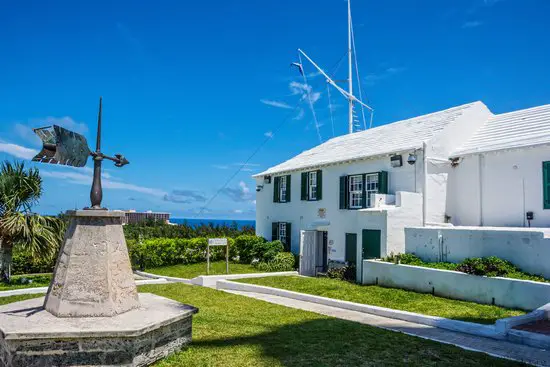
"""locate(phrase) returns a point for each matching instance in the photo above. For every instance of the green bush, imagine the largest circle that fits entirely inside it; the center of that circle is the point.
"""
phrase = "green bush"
(346, 273)
(283, 261)
(244, 247)
(491, 266)
(266, 251)
(24, 263)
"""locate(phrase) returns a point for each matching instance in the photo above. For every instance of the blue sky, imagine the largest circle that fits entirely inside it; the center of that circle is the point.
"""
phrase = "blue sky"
(191, 89)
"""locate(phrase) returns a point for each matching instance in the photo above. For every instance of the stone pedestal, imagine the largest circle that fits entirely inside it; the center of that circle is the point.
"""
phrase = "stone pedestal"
(93, 275)
(33, 337)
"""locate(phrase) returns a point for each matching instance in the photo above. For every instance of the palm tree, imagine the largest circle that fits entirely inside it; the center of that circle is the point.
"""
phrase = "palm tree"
(20, 188)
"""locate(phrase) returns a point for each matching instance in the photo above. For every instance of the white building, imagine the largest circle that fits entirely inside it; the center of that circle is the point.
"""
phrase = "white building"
(352, 196)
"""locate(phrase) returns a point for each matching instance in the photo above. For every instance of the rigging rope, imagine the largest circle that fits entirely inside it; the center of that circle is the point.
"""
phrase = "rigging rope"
(330, 109)
(358, 78)
(308, 94)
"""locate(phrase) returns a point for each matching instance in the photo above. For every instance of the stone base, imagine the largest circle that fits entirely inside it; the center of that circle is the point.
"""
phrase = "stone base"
(30, 336)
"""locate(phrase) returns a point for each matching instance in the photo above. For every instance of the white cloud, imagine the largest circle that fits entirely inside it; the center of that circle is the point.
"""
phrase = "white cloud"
(472, 24)
(299, 115)
(237, 211)
(268, 134)
(238, 194)
(220, 166)
(372, 79)
(17, 151)
(299, 88)
(277, 104)
(86, 179)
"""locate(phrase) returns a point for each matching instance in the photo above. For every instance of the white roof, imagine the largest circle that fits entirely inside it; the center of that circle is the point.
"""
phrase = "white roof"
(510, 130)
(386, 139)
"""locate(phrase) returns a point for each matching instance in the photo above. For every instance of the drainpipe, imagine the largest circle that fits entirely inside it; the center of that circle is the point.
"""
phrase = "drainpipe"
(480, 165)
(425, 183)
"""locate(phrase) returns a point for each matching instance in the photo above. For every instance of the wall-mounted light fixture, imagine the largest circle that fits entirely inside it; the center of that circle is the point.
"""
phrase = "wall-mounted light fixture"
(267, 179)
(259, 188)
(396, 160)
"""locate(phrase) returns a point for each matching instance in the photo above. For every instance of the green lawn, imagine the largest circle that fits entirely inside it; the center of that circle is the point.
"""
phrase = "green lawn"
(189, 271)
(232, 331)
(42, 280)
(398, 299)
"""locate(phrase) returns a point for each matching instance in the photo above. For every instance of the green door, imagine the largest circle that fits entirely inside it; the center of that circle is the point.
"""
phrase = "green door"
(371, 243)
(351, 248)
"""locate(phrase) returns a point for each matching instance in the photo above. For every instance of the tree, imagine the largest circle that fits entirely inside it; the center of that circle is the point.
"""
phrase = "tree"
(20, 189)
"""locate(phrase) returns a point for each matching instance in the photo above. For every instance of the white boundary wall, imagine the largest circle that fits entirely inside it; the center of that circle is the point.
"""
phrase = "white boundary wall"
(526, 248)
(512, 293)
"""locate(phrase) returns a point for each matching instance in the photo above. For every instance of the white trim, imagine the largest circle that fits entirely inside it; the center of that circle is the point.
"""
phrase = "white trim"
(282, 185)
(311, 183)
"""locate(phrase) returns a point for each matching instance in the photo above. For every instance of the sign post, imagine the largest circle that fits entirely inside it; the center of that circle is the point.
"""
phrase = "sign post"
(217, 242)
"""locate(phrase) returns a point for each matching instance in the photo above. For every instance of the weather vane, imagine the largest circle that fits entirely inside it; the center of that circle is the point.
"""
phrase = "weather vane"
(62, 146)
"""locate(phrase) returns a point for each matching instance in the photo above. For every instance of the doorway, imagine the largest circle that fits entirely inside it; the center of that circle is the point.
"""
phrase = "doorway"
(351, 248)
(322, 252)
(371, 244)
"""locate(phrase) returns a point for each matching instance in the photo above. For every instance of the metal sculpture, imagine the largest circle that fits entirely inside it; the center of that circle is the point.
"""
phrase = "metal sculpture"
(62, 146)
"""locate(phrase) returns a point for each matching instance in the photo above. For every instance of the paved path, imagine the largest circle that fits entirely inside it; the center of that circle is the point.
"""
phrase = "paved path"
(497, 348)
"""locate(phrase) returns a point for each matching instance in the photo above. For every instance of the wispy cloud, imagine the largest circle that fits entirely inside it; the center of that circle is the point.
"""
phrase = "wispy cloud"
(372, 79)
(268, 134)
(220, 166)
(277, 104)
(238, 194)
(85, 178)
(472, 24)
(128, 37)
(185, 197)
(17, 151)
(299, 115)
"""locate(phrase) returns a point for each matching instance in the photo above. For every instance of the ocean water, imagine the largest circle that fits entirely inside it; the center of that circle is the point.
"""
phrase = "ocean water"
(198, 222)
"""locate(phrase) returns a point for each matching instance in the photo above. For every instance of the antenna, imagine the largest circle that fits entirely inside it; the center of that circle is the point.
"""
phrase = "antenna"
(347, 94)
(350, 75)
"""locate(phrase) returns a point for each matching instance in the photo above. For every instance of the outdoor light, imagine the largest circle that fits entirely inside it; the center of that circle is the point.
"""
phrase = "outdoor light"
(396, 161)
(412, 159)
(259, 188)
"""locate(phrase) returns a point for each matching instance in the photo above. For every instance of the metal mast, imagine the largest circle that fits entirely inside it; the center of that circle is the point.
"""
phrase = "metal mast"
(350, 75)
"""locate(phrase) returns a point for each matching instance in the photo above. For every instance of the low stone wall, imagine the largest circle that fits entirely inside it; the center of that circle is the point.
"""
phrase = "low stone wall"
(527, 248)
(512, 293)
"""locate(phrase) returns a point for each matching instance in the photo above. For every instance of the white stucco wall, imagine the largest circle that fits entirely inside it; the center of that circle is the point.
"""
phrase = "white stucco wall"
(528, 249)
(498, 188)
(303, 213)
(513, 293)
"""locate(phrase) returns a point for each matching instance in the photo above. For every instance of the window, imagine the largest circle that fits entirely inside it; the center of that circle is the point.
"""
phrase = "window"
(356, 191)
(282, 189)
(371, 182)
(546, 185)
(312, 185)
(282, 232)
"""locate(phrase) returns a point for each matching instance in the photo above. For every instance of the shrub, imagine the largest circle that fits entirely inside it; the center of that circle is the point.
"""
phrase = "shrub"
(283, 261)
(266, 251)
(24, 263)
(244, 247)
(347, 273)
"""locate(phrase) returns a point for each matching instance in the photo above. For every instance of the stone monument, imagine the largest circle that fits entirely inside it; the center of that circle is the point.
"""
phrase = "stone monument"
(92, 314)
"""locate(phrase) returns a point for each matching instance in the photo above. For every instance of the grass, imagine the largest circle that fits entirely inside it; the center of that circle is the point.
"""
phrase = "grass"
(189, 271)
(42, 280)
(397, 299)
(232, 330)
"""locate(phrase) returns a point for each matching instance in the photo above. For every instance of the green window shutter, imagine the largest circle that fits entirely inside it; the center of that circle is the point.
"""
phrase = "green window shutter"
(383, 182)
(275, 189)
(319, 184)
(364, 198)
(304, 186)
(546, 184)
(344, 192)
(288, 185)
(274, 231)
(288, 236)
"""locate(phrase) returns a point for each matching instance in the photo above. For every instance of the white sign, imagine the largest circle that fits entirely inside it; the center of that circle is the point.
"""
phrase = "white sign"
(217, 242)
